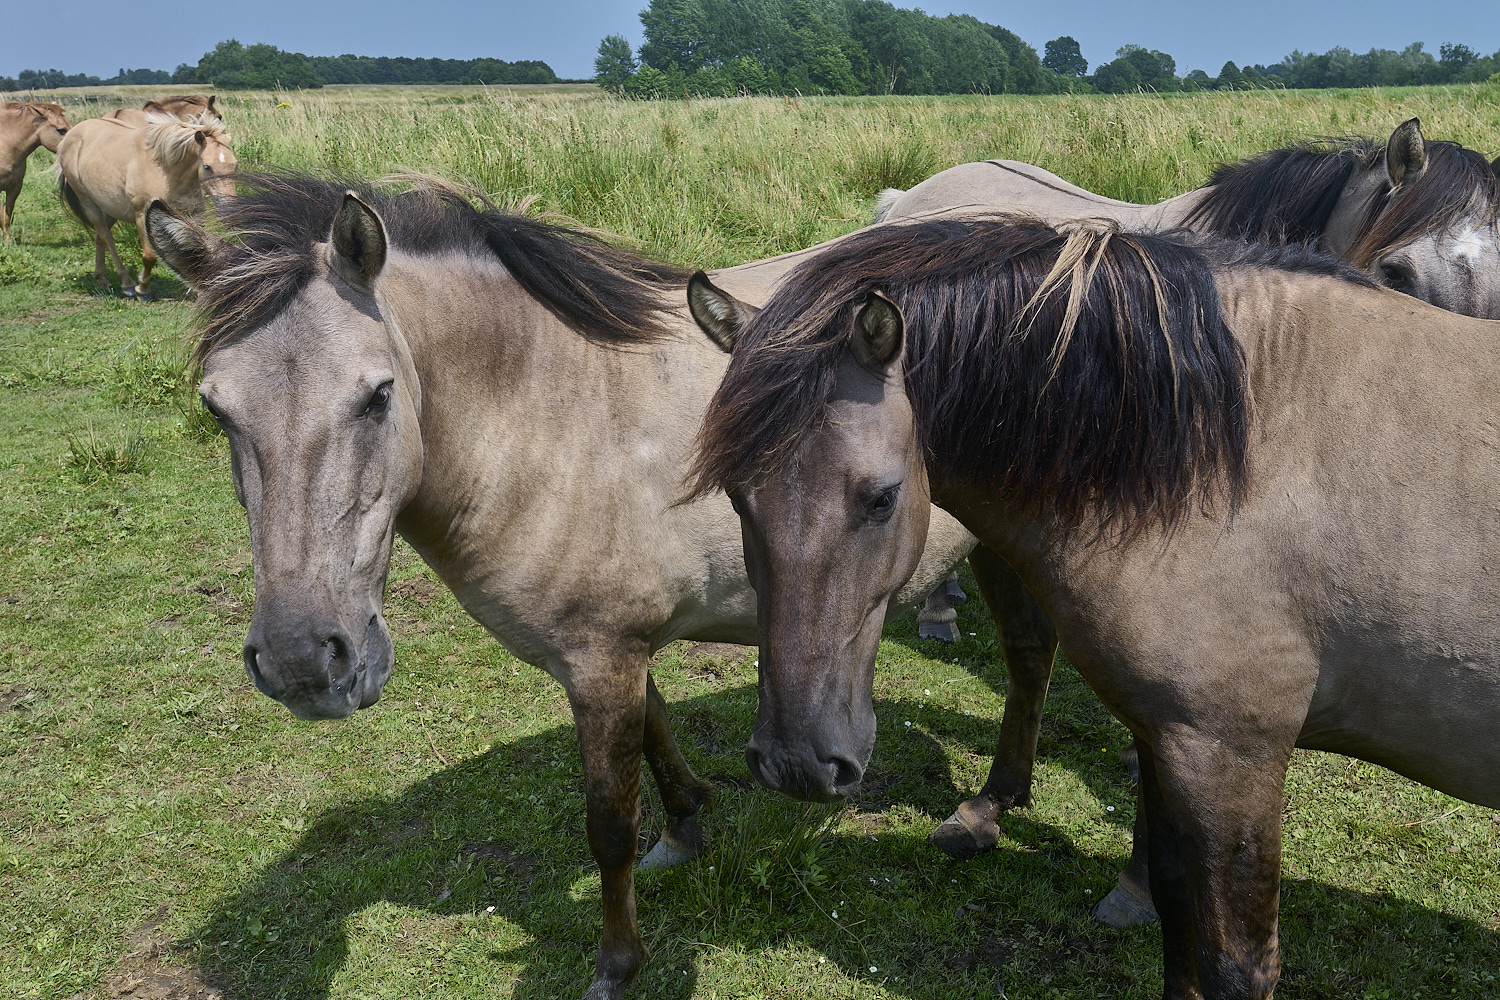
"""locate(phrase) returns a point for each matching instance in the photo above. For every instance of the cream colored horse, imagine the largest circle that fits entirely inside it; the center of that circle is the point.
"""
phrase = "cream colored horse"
(24, 127)
(180, 106)
(110, 169)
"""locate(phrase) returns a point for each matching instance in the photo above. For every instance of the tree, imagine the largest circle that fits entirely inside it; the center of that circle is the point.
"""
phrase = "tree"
(1230, 78)
(1065, 58)
(614, 65)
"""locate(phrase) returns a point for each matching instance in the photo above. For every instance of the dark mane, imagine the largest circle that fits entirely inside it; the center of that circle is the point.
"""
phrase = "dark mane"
(1135, 414)
(602, 290)
(1283, 195)
(1459, 186)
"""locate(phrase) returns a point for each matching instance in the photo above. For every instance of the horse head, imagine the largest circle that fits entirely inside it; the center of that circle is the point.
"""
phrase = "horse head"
(1423, 221)
(318, 396)
(846, 514)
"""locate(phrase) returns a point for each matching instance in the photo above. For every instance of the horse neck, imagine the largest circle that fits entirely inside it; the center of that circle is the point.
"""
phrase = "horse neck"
(515, 399)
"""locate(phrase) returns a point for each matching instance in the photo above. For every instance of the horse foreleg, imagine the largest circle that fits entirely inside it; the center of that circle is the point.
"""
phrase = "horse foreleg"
(608, 696)
(1029, 643)
(148, 260)
(682, 792)
(1215, 840)
(937, 619)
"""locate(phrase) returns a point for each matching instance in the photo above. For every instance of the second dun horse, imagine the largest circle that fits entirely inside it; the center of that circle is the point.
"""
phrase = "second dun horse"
(1254, 493)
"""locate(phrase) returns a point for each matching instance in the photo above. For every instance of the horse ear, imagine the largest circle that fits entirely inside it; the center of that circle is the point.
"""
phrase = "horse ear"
(1406, 154)
(187, 248)
(879, 334)
(211, 109)
(357, 246)
(718, 314)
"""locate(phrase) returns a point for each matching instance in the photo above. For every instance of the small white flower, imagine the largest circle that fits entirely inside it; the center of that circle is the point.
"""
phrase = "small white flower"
(1109, 809)
(967, 712)
(927, 690)
(710, 867)
(908, 725)
(821, 959)
(1088, 892)
(973, 633)
(489, 909)
(835, 914)
(873, 969)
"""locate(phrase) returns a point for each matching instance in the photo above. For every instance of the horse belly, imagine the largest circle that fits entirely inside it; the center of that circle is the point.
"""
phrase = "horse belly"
(1431, 713)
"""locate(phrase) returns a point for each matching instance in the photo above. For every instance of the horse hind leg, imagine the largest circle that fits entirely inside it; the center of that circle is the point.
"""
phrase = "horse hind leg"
(104, 239)
(1029, 643)
(9, 212)
(1129, 902)
(683, 793)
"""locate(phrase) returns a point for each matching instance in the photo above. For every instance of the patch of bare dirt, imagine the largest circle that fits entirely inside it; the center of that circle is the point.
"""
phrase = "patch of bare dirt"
(418, 589)
(18, 698)
(501, 863)
(144, 973)
(708, 660)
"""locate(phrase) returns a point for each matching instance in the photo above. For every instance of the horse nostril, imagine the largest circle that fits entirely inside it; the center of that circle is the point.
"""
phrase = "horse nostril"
(846, 775)
(252, 664)
(752, 761)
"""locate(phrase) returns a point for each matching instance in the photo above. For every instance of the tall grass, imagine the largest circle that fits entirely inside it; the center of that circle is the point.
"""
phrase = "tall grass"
(714, 182)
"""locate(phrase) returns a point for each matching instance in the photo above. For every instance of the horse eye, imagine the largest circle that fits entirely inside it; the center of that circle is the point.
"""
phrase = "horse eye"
(1396, 277)
(380, 401)
(881, 506)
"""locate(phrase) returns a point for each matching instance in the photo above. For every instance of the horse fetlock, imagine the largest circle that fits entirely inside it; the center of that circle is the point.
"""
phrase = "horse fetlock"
(971, 830)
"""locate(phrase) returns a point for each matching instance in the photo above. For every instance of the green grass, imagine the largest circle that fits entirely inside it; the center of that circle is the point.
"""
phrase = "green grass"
(157, 815)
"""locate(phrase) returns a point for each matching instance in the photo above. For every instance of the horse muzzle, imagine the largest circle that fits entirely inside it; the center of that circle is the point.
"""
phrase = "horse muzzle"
(807, 775)
(321, 673)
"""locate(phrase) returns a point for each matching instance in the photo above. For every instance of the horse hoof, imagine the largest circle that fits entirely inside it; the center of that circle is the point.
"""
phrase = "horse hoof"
(964, 835)
(944, 632)
(666, 854)
(1125, 907)
(955, 593)
(142, 295)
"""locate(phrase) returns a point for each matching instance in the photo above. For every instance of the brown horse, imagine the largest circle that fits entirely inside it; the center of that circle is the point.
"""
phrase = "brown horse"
(109, 169)
(180, 106)
(24, 127)
(1418, 215)
(1252, 490)
(518, 400)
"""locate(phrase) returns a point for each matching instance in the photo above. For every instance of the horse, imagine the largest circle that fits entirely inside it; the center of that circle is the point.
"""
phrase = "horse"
(515, 398)
(180, 106)
(24, 127)
(1418, 215)
(109, 169)
(1251, 488)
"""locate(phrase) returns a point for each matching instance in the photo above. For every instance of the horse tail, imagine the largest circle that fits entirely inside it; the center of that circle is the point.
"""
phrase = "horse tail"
(885, 201)
(70, 198)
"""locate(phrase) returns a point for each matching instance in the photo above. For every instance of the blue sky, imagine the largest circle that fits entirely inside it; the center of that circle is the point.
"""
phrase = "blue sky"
(566, 33)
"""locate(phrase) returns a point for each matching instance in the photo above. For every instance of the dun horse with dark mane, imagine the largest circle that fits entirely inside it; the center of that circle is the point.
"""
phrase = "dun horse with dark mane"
(24, 127)
(1254, 493)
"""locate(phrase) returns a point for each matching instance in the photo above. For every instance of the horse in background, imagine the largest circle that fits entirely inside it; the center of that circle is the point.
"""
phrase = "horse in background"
(1418, 215)
(180, 106)
(110, 169)
(24, 127)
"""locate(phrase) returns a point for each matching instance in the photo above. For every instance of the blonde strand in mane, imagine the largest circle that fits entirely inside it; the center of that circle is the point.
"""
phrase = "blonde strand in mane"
(169, 137)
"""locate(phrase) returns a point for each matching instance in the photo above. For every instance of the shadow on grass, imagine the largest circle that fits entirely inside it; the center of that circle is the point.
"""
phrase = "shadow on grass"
(483, 867)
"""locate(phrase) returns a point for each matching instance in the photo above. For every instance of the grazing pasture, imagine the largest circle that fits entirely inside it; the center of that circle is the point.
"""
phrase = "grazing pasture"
(165, 828)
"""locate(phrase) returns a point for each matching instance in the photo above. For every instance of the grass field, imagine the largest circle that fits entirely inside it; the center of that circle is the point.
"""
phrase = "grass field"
(164, 829)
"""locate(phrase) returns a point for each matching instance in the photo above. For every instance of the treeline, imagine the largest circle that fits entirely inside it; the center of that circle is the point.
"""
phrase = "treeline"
(817, 47)
(726, 47)
(47, 79)
(233, 66)
(1135, 68)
